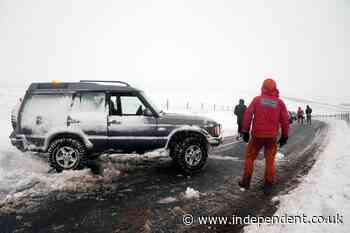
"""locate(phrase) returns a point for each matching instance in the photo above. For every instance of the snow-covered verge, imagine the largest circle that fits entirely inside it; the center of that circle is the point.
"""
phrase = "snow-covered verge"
(324, 191)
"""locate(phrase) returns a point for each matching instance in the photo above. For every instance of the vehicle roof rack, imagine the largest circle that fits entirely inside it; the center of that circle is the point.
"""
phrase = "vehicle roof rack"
(104, 81)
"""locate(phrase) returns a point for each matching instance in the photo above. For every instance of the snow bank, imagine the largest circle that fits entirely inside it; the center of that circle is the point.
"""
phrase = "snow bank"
(24, 175)
(325, 191)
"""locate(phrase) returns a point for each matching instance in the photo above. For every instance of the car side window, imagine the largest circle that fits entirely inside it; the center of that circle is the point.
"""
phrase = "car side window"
(131, 105)
(89, 102)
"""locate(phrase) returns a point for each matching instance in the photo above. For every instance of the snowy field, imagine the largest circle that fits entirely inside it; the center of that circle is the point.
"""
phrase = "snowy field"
(325, 191)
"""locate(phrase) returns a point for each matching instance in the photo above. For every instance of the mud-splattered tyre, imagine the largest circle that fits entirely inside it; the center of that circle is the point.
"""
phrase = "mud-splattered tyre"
(190, 154)
(66, 154)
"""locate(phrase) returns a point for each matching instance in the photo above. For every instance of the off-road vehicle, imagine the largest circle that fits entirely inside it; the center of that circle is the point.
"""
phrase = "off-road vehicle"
(75, 121)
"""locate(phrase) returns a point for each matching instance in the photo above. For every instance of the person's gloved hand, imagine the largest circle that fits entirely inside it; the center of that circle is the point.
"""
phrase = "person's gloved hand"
(246, 137)
(283, 141)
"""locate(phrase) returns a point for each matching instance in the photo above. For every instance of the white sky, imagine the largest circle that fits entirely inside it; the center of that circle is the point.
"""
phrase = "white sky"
(208, 46)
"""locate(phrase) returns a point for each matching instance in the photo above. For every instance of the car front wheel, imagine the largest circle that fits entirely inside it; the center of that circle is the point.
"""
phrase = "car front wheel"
(190, 154)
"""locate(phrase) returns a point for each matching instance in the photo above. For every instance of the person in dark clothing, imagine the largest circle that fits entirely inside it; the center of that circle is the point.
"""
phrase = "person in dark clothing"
(308, 112)
(239, 112)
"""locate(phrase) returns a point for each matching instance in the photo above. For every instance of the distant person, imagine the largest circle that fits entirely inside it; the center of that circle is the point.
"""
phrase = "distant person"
(308, 112)
(266, 113)
(300, 116)
(239, 112)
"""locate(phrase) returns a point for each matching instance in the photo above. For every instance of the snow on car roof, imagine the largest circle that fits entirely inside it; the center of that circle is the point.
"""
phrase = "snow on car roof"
(78, 86)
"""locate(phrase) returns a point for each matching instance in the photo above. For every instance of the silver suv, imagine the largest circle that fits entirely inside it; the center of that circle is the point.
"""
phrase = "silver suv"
(73, 122)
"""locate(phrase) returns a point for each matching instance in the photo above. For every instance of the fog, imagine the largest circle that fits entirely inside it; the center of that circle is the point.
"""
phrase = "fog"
(198, 48)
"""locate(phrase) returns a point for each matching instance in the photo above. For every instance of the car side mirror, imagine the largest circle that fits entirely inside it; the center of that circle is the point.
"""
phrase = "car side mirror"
(148, 112)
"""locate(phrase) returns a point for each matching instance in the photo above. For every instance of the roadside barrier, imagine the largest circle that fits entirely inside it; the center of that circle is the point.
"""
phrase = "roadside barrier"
(341, 116)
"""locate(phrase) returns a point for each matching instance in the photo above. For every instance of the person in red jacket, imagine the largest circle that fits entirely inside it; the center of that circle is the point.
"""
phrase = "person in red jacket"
(300, 116)
(264, 116)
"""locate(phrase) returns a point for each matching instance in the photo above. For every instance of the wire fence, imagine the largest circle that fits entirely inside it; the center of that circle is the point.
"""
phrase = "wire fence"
(208, 107)
(198, 107)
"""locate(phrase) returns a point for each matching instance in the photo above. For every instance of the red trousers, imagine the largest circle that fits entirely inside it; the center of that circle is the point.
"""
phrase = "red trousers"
(270, 150)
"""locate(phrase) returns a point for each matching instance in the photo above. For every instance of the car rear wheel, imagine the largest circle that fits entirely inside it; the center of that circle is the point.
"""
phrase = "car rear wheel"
(190, 154)
(66, 154)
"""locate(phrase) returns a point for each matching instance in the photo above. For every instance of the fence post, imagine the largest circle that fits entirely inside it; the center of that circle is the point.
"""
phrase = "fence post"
(167, 104)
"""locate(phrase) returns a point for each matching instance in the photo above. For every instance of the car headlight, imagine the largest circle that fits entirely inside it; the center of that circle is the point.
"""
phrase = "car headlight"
(215, 131)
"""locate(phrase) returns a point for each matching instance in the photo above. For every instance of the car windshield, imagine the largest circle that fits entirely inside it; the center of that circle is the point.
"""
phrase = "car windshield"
(150, 102)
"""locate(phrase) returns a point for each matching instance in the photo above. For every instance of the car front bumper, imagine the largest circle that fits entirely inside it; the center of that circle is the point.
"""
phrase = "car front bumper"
(215, 141)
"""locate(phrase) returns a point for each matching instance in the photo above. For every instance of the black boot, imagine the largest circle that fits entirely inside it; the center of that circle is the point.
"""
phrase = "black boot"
(244, 183)
(268, 188)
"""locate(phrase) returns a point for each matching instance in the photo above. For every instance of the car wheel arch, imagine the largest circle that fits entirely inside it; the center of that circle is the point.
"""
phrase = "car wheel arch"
(73, 135)
(181, 134)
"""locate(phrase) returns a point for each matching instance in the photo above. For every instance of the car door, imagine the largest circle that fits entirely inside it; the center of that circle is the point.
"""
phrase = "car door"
(128, 128)
(89, 115)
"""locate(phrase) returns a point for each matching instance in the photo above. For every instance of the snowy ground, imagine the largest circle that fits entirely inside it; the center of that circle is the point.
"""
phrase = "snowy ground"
(325, 191)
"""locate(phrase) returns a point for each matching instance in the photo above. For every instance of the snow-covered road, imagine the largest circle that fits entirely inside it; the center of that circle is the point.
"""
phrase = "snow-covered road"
(324, 191)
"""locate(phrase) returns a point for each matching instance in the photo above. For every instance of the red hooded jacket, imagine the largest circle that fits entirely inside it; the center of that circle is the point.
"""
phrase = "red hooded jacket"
(300, 112)
(268, 112)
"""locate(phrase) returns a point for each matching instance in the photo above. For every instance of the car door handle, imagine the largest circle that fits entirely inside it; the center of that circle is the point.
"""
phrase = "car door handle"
(114, 122)
(70, 120)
